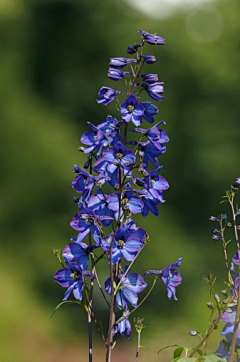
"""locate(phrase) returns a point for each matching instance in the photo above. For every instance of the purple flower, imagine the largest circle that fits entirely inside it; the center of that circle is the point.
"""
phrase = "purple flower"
(151, 38)
(133, 48)
(114, 158)
(84, 182)
(123, 328)
(150, 203)
(154, 134)
(98, 203)
(131, 286)
(149, 59)
(132, 110)
(155, 90)
(149, 78)
(78, 252)
(148, 152)
(125, 244)
(101, 136)
(213, 218)
(170, 277)
(72, 278)
(120, 62)
(127, 202)
(87, 221)
(149, 111)
(116, 74)
(107, 95)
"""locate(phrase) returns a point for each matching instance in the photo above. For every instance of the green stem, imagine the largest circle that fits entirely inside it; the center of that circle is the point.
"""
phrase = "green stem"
(142, 301)
(234, 337)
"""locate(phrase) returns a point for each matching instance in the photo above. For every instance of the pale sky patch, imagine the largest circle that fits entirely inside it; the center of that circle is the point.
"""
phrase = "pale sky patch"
(162, 8)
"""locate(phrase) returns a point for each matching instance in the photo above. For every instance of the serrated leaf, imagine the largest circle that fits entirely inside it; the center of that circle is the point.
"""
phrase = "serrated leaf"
(178, 351)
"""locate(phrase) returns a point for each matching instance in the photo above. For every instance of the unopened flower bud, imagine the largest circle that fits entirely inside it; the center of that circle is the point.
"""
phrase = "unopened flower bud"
(193, 333)
(133, 48)
(209, 305)
(217, 298)
(213, 218)
(224, 292)
(238, 212)
(56, 251)
(86, 164)
(149, 59)
(216, 237)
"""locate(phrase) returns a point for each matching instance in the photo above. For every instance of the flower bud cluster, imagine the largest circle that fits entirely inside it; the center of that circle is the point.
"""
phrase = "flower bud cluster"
(121, 178)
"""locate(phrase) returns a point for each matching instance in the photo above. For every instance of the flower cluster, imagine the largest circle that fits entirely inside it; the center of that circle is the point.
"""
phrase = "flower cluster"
(121, 178)
(230, 305)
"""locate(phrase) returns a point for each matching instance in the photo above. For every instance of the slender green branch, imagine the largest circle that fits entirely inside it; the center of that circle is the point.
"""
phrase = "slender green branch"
(139, 305)
(237, 318)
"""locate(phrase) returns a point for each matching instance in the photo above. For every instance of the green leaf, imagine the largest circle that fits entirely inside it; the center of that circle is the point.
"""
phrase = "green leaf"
(210, 358)
(178, 351)
(213, 358)
(65, 302)
(171, 345)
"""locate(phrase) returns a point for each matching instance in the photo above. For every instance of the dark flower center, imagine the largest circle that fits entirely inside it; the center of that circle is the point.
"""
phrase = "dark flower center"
(130, 108)
(121, 243)
(75, 275)
(119, 155)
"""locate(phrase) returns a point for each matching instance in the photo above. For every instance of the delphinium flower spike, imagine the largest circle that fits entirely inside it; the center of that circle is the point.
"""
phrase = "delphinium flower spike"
(115, 184)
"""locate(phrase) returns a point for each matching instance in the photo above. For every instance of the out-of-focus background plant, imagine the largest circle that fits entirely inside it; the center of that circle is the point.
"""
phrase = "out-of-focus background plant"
(53, 59)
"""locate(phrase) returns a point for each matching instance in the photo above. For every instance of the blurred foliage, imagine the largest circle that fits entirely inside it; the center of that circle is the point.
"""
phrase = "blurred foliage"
(54, 58)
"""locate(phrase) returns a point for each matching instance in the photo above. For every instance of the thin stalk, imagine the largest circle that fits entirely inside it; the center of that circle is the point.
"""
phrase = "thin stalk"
(112, 276)
(211, 329)
(225, 252)
(234, 337)
(138, 345)
(139, 305)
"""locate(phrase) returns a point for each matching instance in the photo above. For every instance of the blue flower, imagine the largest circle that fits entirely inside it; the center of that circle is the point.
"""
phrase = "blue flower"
(72, 278)
(170, 277)
(107, 95)
(154, 134)
(120, 62)
(149, 59)
(125, 244)
(155, 90)
(131, 286)
(116, 74)
(133, 48)
(115, 158)
(149, 111)
(101, 136)
(87, 221)
(149, 78)
(132, 110)
(123, 328)
(151, 38)
(78, 252)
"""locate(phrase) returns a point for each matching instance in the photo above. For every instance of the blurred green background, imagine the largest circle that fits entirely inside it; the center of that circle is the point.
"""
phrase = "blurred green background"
(53, 60)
